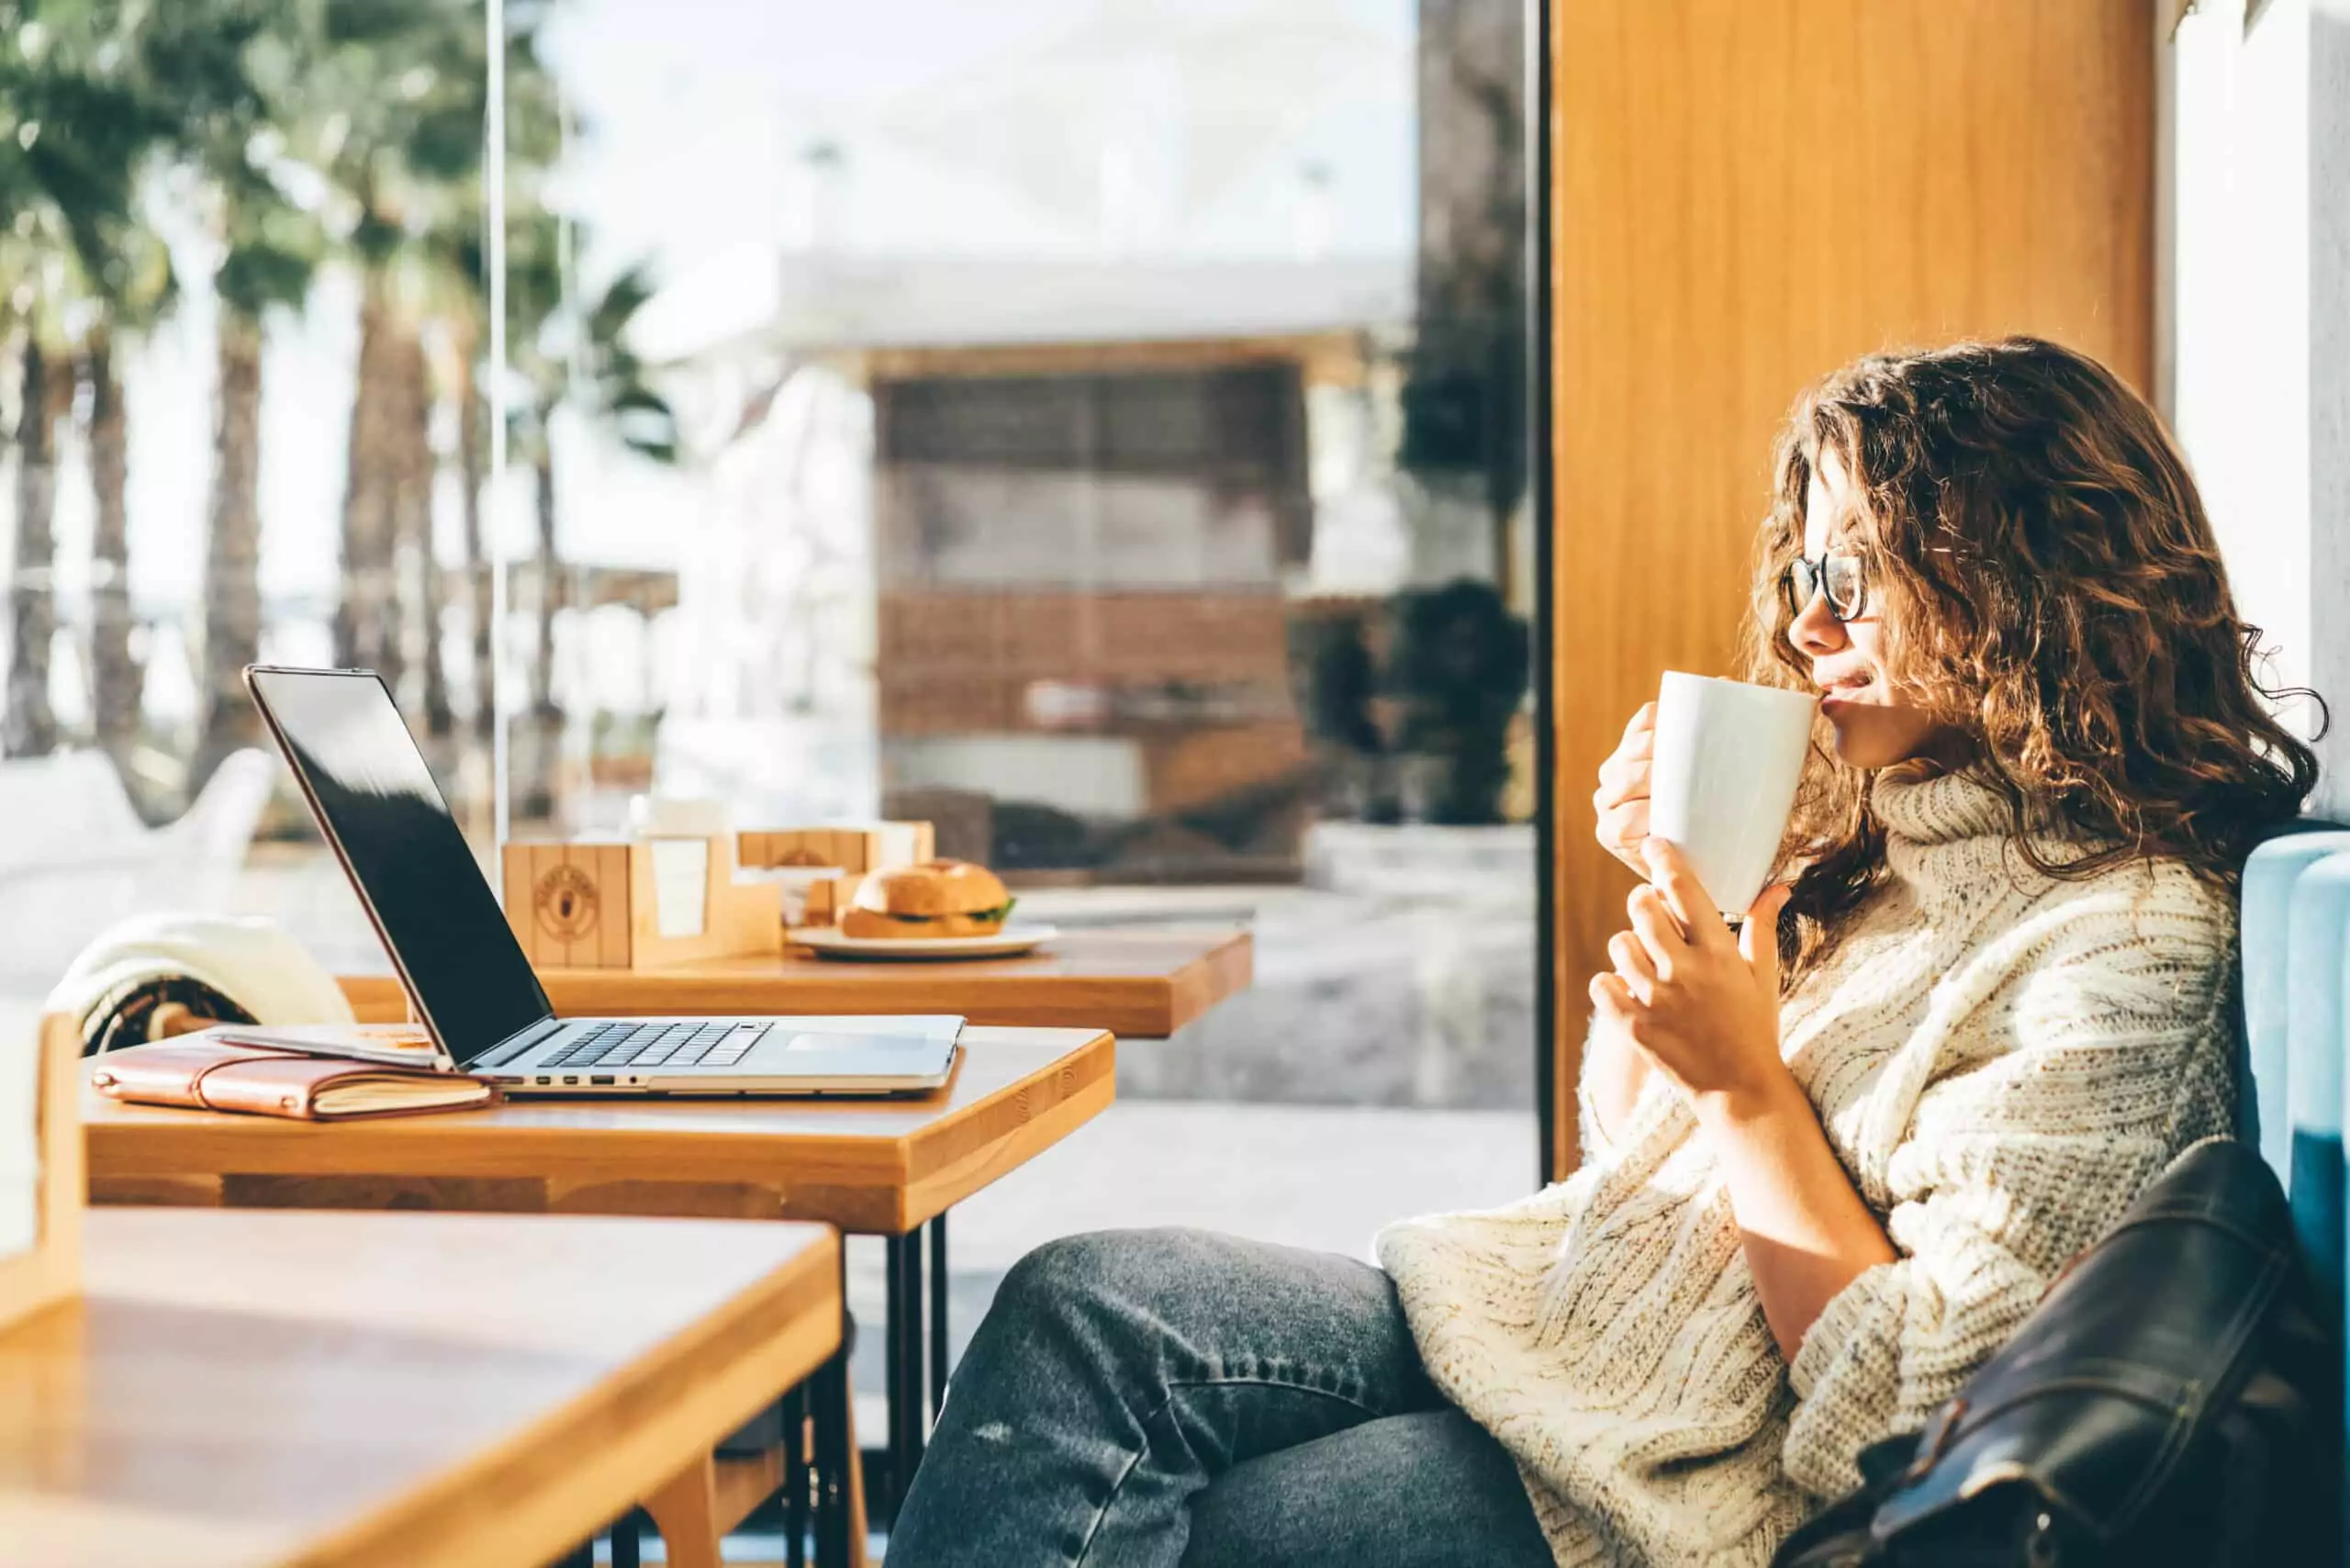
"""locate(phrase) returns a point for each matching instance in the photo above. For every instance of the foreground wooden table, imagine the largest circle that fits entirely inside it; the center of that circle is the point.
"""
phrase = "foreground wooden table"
(889, 1167)
(347, 1391)
(1136, 985)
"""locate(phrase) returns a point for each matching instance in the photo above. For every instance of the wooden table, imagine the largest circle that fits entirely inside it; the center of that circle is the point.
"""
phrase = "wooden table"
(1136, 985)
(346, 1391)
(876, 1167)
(890, 1167)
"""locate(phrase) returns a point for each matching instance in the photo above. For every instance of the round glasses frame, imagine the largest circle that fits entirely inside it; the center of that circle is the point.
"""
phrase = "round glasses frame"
(1840, 579)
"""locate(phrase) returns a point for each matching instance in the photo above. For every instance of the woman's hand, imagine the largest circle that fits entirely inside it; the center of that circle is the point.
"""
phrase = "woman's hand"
(1622, 798)
(1701, 1005)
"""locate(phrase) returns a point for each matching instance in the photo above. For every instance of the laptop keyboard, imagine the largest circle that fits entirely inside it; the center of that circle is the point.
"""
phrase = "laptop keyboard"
(693, 1044)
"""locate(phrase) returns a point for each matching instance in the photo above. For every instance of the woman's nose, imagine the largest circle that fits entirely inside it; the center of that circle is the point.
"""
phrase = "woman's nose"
(1815, 631)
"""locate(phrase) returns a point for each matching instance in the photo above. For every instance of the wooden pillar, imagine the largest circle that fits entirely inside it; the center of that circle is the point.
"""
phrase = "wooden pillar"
(1746, 194)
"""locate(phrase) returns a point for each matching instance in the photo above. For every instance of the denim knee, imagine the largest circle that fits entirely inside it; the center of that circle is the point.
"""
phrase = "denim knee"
(1072, 1269)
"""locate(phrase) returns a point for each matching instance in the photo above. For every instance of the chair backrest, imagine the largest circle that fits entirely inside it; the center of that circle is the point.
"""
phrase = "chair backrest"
(2319, 926)
(2296, 937)
(66, 805)
(2268, 880)
(205, 849)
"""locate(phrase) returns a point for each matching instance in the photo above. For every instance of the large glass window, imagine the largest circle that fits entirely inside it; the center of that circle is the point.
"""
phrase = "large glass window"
(1096, 428)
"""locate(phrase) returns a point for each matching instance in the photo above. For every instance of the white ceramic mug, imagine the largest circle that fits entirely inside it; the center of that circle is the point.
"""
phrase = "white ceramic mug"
(1722, 782)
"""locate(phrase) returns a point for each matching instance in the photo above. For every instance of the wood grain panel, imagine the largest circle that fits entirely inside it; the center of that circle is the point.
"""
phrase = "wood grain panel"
(323, 1401)
(612, 933)
(1746, 194)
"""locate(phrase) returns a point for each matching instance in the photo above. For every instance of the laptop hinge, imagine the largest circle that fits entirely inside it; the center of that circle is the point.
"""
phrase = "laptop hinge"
(516, 1043)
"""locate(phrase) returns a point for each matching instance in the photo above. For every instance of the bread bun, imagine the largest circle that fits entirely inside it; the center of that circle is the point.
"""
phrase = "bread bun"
(931, 899)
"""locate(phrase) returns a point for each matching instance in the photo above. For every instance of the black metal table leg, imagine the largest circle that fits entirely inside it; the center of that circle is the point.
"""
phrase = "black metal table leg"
(903, 1337)
(795, 1480)
(830, 1397)
(937, 1313)
(625, 1540)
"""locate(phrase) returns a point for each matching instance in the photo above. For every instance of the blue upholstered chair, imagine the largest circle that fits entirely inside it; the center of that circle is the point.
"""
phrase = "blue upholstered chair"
(2295, 922)
(2268, 879)
(2296, 936)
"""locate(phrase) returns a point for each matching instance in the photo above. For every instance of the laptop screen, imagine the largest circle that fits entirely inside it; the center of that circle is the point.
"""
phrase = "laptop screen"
(376, 800)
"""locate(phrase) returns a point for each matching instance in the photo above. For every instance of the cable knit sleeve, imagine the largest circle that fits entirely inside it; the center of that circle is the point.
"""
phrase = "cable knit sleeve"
(2057, 1074)
(1592, 1138)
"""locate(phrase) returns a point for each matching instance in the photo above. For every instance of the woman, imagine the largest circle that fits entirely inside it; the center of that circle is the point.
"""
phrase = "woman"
(1824, 1176)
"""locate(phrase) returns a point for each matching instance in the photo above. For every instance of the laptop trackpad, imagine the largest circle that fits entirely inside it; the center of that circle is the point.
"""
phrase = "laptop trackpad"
(799, 1042)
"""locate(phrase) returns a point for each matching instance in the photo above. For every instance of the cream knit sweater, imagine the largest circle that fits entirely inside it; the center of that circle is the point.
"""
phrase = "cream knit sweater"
(2001, 1061)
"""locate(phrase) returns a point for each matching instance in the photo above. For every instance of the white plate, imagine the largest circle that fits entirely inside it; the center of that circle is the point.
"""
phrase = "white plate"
(826, 942)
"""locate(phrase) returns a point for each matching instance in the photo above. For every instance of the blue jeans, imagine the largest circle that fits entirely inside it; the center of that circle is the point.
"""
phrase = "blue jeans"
(1145, 1399)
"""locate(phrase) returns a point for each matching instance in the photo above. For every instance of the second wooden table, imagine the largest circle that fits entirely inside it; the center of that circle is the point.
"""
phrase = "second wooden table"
(1136, 985)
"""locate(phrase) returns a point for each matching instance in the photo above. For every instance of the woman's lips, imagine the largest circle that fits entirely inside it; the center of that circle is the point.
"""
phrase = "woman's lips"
(1842, 693)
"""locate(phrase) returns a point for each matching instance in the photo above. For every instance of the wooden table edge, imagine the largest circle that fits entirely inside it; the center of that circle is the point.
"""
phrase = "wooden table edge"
(649, 1432)
(923, 1198)
(1224, 971)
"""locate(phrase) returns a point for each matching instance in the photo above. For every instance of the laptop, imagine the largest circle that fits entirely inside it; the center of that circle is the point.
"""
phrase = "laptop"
(465, 975)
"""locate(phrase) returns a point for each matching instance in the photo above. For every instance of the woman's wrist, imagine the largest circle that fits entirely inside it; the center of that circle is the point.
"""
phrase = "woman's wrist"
(1771, 1098)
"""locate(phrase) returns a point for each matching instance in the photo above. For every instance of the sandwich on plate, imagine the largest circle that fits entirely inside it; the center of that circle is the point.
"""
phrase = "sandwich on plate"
(929, 899)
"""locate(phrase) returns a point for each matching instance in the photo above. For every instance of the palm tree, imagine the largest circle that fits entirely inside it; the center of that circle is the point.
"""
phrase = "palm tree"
(29, 728)
(130, 303)
(227, 76)
(78, 136)
(267, 268)
(577, 356)
(407, 147)
(115, 673)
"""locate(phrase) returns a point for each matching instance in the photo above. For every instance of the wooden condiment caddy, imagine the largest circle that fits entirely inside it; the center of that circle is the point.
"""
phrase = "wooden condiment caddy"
(596, 905)
(51, 1271)
(876, 847)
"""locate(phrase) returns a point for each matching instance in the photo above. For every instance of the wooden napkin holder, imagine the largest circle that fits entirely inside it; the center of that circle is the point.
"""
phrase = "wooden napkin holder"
(596, 905)
(877, 846)
(51, 1271)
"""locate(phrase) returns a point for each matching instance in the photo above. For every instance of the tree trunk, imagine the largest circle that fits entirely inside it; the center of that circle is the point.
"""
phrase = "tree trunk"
(419, 568)
(232, 553)
(535, 795)
(30, 727)
(472, 417)
(366, 622)
(116, 675)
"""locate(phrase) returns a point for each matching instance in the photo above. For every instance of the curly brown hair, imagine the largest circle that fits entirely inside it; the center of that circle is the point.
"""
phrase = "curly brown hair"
(2054, 592)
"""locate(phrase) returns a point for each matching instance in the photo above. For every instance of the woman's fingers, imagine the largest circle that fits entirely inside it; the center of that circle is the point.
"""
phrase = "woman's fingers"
(1621, 800)
(1660, 934)
(1623, 778)
(1612, 997)
(1670, 874)
(1632, 963)
(1625, 771)
(1621, 827)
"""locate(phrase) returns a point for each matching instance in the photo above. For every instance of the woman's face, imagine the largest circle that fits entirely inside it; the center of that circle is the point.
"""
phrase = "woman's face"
(1875, 726)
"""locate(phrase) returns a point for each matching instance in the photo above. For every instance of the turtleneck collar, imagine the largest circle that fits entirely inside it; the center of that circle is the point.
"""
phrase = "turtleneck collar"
(1941, 809)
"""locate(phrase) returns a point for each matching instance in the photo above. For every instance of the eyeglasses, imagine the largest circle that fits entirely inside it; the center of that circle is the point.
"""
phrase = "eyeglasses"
(1839, 578)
